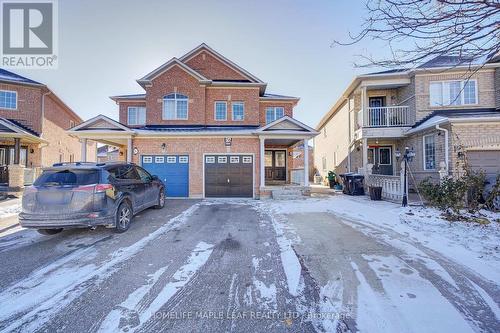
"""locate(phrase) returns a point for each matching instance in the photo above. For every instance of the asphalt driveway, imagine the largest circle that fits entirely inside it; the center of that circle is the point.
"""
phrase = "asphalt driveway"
(236, 266)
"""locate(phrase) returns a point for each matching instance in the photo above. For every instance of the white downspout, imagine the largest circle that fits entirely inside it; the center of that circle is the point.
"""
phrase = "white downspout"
(446, 147)
(42, 121)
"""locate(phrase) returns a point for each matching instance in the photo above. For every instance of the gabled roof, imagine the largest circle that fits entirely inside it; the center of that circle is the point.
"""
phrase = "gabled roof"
(166, 66)
(101, 122)
(287, 124)
(14, 129)
(6, 76)
(220, 57)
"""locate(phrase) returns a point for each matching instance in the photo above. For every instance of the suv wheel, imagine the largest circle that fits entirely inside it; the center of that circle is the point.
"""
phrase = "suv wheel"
(161, 199)
(49, 232)
(123, 217)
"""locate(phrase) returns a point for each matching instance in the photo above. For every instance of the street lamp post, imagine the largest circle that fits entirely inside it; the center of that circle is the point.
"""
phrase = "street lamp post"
(408, 156)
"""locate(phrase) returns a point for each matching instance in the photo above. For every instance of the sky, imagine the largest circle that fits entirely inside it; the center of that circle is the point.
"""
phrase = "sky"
(106, 45)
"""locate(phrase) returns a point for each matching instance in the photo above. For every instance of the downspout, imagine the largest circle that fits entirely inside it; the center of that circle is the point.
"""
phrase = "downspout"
(446, 147)
(349, 136)
(42, 120)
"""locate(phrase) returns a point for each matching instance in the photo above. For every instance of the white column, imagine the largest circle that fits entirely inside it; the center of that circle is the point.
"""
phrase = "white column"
(364, 105)
(261, 159)
(84, 150)
(365, 153)
(129, 150)
(306, 162)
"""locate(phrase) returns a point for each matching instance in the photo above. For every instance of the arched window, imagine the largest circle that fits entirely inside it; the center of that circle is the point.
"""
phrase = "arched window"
(175, 107)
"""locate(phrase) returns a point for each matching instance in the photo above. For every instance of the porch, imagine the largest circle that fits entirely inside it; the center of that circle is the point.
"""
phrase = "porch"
(20, 156)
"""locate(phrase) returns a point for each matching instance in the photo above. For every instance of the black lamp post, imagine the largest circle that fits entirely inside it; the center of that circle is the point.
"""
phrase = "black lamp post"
(408, 156)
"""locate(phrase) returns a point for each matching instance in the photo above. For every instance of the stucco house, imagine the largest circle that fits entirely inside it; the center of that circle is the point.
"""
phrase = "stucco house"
(443, 110)
(207, 127)
(33, 125)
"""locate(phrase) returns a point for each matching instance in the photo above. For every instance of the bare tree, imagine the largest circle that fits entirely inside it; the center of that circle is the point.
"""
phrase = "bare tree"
(419, 30)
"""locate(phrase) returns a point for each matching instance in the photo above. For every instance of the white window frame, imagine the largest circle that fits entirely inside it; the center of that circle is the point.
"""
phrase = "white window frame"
(159, 159)
(445, 94)
(176, 114)
(171, 159)
(423, 152)
(232, 110)
(138, 110)
(215, 110)
(390, 155)
(234, 159)
(183, 159)
(274, 109)
(247, 159)
(15, 93)
(221, 159)
(147, 159)
(71, 123)
(210, 159)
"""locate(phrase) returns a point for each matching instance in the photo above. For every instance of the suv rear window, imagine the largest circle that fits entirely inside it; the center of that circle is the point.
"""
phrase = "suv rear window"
(67, 177)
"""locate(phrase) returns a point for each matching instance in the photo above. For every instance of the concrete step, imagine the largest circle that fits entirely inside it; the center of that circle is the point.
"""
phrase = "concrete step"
(286, 194)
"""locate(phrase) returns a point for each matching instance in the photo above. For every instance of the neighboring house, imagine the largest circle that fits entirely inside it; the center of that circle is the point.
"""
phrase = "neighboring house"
(107, 153)
(33, 125)
(437, 109)
(205, 126)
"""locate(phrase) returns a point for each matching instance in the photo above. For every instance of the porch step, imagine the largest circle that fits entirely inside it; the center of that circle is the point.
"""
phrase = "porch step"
(286, 194)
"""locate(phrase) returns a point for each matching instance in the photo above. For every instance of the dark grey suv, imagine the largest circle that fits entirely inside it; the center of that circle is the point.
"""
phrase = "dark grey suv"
(85, 195)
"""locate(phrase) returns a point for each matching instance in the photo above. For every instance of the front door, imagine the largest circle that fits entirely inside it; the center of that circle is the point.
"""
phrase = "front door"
(381, 158)
(275, 165)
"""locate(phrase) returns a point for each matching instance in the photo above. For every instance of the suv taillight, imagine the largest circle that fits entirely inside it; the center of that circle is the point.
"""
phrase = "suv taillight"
(103, 187)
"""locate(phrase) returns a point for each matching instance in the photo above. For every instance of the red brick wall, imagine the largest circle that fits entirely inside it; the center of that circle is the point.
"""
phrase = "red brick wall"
(123, 108)
(175, 80)
(250, 97)
(195, 148)
(212, 68)
(29, 106)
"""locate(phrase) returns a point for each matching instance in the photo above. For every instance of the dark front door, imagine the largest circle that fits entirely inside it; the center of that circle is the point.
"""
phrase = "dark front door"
(275, 165)
(229, 176)
(381, 158)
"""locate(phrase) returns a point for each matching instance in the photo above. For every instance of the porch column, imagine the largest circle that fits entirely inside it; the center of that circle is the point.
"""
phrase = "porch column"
(17, 150)
(84, 150)
(365, 154)
(306, 162)
(261, 159)
(129, 150)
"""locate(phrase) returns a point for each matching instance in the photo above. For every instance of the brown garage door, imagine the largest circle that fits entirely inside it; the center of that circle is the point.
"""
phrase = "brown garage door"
(229, 176)
(487, 161)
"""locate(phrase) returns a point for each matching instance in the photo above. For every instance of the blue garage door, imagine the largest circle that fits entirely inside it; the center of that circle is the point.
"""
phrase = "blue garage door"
(173, 170)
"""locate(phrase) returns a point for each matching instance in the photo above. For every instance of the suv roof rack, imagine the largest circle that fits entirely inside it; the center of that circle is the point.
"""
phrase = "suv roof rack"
(73, 163)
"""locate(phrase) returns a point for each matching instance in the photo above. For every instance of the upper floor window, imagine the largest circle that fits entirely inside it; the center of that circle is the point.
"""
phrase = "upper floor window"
(220, 111)
(274, 113)
(136, 115)
(71, 123)
(445, 93)
(238, 111)
(175, 107)
(8, 99)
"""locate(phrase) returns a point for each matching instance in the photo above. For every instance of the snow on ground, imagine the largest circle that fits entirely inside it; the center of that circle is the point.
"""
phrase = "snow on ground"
(135, 305)
(473, 245)
(10, 210)
(49, 289)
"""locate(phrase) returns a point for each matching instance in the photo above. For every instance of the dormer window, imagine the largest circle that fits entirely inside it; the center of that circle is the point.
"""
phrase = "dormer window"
(175, 107)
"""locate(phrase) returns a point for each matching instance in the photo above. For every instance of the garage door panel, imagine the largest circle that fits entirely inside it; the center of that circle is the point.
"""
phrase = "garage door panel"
(228, 175)
(173, 170)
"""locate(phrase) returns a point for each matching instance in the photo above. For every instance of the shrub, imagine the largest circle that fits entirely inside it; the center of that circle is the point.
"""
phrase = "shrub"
(448, 195)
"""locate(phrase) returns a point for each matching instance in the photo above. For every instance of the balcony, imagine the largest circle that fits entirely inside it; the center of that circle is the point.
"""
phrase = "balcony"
(388, 116)
(387, 121)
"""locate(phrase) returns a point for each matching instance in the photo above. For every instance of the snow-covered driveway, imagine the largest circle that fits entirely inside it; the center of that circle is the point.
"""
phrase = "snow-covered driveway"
(390, 269)
(310, 265)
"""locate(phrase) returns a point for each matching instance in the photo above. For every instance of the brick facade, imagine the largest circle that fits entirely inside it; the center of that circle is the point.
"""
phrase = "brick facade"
(196, 148)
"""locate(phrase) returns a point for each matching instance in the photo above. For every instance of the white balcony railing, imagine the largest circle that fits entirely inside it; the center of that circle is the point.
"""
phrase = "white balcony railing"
(388, 116)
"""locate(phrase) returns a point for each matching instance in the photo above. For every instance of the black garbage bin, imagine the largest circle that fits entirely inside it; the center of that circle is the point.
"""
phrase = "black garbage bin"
(353, 183)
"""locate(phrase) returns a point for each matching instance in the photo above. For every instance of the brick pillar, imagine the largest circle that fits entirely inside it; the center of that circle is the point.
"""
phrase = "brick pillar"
(16, 176)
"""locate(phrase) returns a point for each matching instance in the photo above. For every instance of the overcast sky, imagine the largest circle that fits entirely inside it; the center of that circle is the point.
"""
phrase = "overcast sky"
(105, 45)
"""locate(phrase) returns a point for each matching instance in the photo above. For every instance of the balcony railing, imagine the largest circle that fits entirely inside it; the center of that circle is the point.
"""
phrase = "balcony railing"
(388, 116)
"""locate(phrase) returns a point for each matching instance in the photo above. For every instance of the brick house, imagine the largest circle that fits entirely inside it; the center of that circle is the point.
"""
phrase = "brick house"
(207, 127)
(33, 125)
(443, 110)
